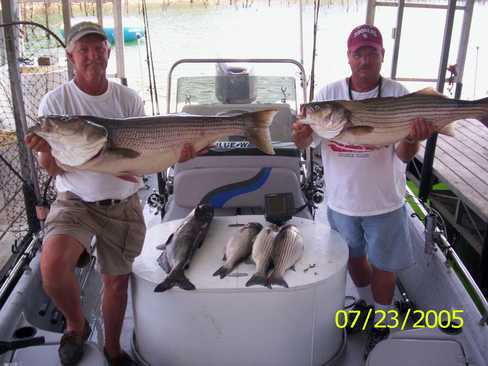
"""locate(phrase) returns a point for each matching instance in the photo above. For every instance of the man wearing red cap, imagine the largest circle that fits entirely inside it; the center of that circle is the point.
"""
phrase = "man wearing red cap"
(366, 186)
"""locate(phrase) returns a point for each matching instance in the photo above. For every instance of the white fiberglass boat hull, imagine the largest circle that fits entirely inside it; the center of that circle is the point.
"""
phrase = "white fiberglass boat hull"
(223, 322)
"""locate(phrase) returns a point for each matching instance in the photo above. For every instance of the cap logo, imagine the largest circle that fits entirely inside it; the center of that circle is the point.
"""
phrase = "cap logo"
(364, 32)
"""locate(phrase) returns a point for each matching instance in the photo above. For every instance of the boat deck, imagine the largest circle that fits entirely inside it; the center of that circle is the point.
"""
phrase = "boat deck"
(461, 163)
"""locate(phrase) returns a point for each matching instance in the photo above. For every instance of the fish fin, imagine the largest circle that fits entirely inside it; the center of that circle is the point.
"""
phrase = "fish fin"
(258, 133)
(275, 279)
(175, 279)
(222, 272)
(257, 279)
(429, 91)
(123, 153)
(448, 130)
(165, 244)
(360, 130)
(224, 258)
(129, 178)
(164, 263)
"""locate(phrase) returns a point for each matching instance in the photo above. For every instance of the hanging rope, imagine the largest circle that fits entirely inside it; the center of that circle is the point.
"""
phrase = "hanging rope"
(316, 9)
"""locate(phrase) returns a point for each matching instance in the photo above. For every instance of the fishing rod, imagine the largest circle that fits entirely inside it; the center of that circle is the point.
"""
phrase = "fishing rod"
(316, 10)
(151, 58)
(144, 17)
(150, 61)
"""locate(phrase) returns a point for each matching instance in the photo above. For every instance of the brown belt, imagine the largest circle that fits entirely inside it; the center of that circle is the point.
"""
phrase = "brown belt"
(108, 202)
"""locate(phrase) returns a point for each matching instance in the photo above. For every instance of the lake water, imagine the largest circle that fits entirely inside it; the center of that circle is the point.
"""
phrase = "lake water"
(259, 31)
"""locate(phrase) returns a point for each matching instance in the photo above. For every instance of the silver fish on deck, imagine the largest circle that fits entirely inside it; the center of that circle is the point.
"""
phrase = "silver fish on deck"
(384, 121)
(143, 145)
(180, 247)
(239, 247)
(261, 254)
(287, 250)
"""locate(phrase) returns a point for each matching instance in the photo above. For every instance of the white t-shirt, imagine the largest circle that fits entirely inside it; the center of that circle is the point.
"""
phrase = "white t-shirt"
(362, 181)
(117, 102)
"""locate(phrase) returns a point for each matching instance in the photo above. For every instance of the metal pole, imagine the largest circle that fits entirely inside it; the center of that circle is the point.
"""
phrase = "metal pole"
(119, 41)
(28, 167)
(370, 12)
(100, 12)
(67, 27)
(301, 32)
(398, 34)
(463, 46)
(484, 265)
(426, 177)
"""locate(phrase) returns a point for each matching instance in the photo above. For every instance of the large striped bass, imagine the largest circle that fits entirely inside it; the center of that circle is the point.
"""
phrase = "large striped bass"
(384, 121)
(143, 145)
(287, 250)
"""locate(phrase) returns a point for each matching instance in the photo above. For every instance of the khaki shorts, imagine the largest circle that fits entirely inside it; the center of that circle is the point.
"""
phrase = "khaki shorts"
(119, 229)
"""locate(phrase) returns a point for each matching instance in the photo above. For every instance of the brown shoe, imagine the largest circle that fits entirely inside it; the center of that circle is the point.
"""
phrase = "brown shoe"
(71, 346)
(123, 359)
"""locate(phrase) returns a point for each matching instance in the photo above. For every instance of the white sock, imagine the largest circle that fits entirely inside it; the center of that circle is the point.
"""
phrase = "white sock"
(380, 315)
(366, 294)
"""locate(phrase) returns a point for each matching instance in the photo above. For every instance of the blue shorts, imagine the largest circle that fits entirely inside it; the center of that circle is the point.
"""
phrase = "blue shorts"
(385, 238)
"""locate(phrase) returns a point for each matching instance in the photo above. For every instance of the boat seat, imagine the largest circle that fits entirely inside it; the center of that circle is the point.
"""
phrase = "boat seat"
(280, 128)
(410, 350)
(236, 181)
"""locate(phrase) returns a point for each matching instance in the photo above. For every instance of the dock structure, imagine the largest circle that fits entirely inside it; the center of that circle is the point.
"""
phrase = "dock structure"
(461, 163)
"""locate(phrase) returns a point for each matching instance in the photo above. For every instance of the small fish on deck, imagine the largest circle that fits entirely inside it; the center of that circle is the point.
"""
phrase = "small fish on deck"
(287, 250)
(261, 254)
(180, 247)
(239, 247)
(384, 121)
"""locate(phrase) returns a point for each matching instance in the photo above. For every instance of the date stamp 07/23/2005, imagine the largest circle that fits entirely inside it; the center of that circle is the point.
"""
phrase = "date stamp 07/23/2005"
(412, 319)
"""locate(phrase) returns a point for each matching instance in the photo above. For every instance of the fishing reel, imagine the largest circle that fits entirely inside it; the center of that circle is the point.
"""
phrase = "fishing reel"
(156, 201)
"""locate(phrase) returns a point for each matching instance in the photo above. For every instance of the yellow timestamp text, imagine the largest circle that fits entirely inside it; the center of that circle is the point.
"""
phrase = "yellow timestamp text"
(393, 319)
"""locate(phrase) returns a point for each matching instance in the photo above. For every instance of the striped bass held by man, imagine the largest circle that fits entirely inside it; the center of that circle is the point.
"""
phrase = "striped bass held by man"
(384, 121)
(143, 145)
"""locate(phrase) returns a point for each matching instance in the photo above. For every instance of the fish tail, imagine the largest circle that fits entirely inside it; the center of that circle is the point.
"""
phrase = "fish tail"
(276, 279)
(175, 279)
(257, 279)
(484, 118)
(222, 272)
(258, 132)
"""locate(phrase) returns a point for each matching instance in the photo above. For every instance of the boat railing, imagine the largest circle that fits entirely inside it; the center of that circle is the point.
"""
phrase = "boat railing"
(444, 245)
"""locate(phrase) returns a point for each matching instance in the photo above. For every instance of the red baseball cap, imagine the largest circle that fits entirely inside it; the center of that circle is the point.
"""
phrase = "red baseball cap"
(365, 35)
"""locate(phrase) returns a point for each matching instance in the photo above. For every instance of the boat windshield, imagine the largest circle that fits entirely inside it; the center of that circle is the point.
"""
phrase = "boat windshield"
(213, 88)
(240, 89)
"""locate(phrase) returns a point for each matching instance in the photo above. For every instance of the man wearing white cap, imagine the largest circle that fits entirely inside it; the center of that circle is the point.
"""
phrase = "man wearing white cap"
(366, 186)
(90, 204)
